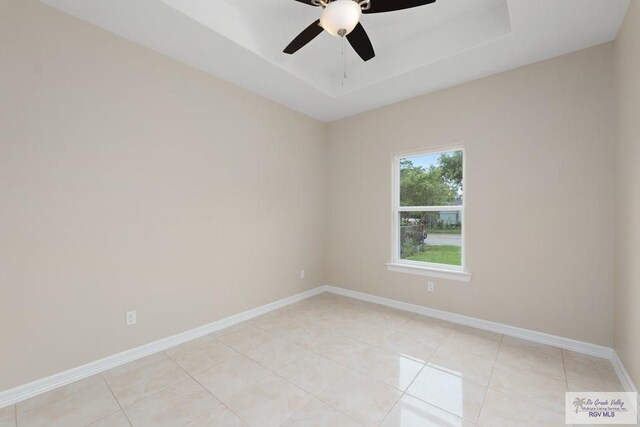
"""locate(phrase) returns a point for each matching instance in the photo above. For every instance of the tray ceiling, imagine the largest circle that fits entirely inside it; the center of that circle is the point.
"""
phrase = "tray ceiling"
(418, 50)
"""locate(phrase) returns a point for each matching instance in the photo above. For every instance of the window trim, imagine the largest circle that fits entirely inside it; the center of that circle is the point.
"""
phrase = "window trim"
(397, 264)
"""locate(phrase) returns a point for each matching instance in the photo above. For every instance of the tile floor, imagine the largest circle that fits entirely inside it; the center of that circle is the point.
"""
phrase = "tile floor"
(330, 361)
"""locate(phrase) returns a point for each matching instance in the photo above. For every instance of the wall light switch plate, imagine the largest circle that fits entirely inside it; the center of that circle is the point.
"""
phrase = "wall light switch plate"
(431, 286)
(302, 274)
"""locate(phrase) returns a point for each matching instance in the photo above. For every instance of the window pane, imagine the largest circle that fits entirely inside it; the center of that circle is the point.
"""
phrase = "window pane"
(431, 180)
(434, 237)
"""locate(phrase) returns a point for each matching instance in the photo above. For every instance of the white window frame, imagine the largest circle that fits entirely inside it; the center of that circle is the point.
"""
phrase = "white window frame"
(445, 271)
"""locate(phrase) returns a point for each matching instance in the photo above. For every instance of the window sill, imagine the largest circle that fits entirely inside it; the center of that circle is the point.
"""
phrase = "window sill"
(441, 273)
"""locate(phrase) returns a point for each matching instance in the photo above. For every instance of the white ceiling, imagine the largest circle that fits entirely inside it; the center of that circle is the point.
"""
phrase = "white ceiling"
(418, 50)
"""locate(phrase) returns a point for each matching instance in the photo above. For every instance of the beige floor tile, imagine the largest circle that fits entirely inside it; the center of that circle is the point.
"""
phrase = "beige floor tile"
(135, 365)
(473, 341)
(572, 357)
(79, 409)
(412, 412)
(367, 333)
(538, 358)
(501, 410)
(131, 386)
(275, 323)
(116, 420)
(390, 368)
(449, 392)
(306, 334)
(330, 343)
(333, 321)
(339, 304)
(362, 398)
(174, 406)
(343, 350)
(245, 338)
(312, 372)
(590, 372)
(308, 313)
(8, 416)
(365, 305)
(282, 328)
(573, 387)
(348, 311)
(463, 364)
(319, 414)
(58, 393)
(385, 317)
(317, 302)
(269, 402)
(409, 346)
(427, 329)
(542, 390)
(325, 299)
(227, 331)
(275, 353)
(8, 412)
(231, 377)
(206, 354)
(219, 417)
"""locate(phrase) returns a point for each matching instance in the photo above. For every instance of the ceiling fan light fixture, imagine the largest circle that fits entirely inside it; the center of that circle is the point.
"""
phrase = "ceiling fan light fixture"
(340, 17)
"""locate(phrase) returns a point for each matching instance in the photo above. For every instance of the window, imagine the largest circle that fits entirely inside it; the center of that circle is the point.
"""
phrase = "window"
(428, 213)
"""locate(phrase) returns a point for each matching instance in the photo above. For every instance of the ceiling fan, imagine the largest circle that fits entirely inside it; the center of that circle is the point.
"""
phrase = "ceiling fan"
(341, 18)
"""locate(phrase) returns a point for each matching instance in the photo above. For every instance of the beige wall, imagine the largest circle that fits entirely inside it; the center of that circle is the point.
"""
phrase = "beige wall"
(539, 205)
(627, 241)
(131, 181)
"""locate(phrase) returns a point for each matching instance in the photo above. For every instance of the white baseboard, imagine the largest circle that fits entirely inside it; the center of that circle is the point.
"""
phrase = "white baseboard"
(26, 391)
(526, 334)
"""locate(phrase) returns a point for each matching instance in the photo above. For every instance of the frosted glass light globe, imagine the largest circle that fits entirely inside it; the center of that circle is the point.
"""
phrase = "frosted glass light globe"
(340, 17)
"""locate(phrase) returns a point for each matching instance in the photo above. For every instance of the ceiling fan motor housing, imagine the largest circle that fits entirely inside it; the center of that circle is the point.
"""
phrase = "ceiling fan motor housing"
(340, 17)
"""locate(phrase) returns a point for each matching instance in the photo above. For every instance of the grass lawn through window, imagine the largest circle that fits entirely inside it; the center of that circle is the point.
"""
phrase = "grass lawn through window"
(445, 254)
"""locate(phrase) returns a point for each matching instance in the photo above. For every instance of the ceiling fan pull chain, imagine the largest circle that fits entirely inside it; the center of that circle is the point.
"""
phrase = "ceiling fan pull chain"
(344, 61)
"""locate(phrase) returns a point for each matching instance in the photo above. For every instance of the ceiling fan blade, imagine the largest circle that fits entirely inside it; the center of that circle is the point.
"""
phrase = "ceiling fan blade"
(359, 40)
(379, 6)
(309, 2)
(308, 34)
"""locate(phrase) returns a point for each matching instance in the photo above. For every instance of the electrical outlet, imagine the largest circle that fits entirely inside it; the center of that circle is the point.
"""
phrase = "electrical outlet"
(431, 286)
(131, 318)
(302, 274)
